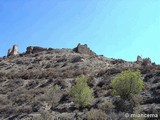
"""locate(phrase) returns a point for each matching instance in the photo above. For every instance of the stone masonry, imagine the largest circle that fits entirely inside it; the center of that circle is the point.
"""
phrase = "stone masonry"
(13, 51)
(83, 49)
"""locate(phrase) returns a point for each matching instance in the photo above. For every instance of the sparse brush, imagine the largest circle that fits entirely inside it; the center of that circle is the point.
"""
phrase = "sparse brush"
(54, 95)
(96, 114)
(106, 105)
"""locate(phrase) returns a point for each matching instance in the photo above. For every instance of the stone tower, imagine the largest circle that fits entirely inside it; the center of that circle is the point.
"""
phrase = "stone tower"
(83, 49)
(13, 51)
(139, 59)
(9, 51)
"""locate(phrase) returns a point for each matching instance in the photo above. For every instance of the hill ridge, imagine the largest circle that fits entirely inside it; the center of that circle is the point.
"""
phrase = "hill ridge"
(25, 80)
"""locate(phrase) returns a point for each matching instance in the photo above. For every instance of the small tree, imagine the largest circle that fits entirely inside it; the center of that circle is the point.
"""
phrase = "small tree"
(81, 93)
(127, 83)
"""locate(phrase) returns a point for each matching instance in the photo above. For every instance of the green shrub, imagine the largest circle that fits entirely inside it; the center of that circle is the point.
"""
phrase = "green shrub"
(81, 93)
(127, 83)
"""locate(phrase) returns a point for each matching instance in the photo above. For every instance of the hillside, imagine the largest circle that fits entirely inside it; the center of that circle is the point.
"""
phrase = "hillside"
(26, 79)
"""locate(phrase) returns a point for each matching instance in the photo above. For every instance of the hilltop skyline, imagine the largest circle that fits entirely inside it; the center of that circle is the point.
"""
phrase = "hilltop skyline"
(116, 29)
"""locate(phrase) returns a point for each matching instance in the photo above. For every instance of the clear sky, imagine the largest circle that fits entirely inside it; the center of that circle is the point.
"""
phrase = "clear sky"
(115, 28)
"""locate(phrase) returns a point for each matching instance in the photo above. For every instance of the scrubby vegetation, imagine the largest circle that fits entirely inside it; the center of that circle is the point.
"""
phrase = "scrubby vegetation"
(127, 84)
(81, 93)
(63, 84)
(53, 95)
(96, 114)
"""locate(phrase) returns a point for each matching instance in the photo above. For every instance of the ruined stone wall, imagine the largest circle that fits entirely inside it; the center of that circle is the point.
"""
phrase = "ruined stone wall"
(35, 49)
(83, 49)
(13, 51)
(145, 61)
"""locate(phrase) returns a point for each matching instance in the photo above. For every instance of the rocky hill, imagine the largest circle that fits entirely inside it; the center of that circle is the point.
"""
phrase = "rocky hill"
(26, 79)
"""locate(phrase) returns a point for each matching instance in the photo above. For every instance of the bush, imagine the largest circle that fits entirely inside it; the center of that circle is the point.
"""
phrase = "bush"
(7, 110)
(81, 93)
(127, 83)
(43, 116)
(54, 95)
(96, 114)
(138, 110)
(106, 105)
(2, 74)
(22, 99)
(24, 109)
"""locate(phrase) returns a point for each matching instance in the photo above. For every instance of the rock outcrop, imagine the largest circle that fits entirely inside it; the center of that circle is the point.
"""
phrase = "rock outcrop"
(83, 49)
(35, 49)
(13, 51)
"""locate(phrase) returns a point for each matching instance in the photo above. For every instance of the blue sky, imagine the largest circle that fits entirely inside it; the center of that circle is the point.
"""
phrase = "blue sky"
(115, 28)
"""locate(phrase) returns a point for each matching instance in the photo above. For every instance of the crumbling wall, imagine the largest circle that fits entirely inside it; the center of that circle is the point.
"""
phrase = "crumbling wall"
(83, 49)
(13, 51)
(35, 49)
(145, 61)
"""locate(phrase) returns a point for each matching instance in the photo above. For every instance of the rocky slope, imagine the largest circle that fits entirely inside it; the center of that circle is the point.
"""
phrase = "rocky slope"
(26, 79)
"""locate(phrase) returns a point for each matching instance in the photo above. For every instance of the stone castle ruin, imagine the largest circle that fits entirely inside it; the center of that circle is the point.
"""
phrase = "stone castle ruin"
(13, 51)
(83, 49)
(145, 61)
(35, 49)
(139, 59)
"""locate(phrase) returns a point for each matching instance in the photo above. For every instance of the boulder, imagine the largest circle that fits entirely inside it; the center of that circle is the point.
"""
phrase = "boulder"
(77, 59)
